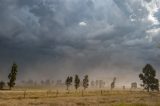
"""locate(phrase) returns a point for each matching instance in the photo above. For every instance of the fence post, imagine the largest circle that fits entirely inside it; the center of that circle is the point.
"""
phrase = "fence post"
(67, 91)
(47, 93)
(24, 94)
(82, 93)
(57, 93)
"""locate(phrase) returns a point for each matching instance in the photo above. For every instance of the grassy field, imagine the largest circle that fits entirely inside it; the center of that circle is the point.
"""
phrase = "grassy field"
(78, 98)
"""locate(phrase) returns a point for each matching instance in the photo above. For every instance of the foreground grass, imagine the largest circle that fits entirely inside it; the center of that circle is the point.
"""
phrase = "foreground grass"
(78, 98)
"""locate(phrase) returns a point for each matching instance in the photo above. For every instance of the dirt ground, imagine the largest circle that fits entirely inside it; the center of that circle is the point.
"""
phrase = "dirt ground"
(78, 98)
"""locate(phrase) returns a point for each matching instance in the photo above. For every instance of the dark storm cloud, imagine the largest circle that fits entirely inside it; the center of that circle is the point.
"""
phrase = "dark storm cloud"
(45, 36)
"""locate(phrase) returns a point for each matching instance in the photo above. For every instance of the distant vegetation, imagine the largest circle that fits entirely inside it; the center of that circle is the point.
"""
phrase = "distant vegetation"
(2, 84)
(149, 82)
(113, 83)
(68, 82)
(85, 82)
(77, 82)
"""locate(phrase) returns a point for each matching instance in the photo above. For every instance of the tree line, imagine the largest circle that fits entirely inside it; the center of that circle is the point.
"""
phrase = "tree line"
(149, 82)
(76, 82)
(148, 77)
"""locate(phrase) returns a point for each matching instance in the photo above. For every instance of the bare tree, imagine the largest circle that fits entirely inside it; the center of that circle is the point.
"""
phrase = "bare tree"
(113, 83)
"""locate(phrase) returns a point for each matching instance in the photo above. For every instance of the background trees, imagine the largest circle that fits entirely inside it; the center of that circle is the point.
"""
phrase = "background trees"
(85, 82)
(68, 82)
(12, 76)
(77, 82)
(148, 78)
(2, 84)
(113, 83)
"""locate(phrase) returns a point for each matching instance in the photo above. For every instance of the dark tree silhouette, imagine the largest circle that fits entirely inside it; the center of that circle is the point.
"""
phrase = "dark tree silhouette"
(113, 83)
(85, 82)
(68, 82)
(12, 76)
(77, 82)
(2, 84)
(148, 78)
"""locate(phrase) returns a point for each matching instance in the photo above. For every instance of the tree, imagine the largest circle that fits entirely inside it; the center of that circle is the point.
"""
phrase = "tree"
(12, 76)
(148, 78)
(77, 82)
(42, 82)
(2, 84)
(47, 82)
(68, 82)
(113, 83)
(85, 82)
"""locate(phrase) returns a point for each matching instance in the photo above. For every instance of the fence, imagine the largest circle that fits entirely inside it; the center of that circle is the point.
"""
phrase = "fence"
(23, 94)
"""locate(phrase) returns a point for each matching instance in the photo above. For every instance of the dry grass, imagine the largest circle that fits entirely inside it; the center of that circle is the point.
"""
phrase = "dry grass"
(78, 98)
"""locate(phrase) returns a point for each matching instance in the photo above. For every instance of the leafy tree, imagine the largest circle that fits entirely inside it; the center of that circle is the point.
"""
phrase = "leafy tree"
(68, 82)
(85, 82)
(77, 82)
(12, 76)
(148, 78)
(2, 84)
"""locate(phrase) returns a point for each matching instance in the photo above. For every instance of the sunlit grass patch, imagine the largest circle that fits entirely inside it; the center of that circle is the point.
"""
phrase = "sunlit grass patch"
(133, 104)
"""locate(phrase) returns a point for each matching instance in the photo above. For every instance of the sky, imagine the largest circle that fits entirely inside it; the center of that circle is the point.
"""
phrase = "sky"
(56, 38)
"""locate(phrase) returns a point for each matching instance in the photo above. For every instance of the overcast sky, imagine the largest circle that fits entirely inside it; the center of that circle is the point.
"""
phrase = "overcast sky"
(56, 38)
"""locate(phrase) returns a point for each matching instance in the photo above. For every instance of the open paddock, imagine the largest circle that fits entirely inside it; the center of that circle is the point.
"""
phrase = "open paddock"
(78, 98)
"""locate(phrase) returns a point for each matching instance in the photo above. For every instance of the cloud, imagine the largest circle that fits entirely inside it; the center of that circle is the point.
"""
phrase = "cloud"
(40, 34)
(82, 24)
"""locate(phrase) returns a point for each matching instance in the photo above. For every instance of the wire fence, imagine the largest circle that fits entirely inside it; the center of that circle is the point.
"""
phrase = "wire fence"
(24, 94)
